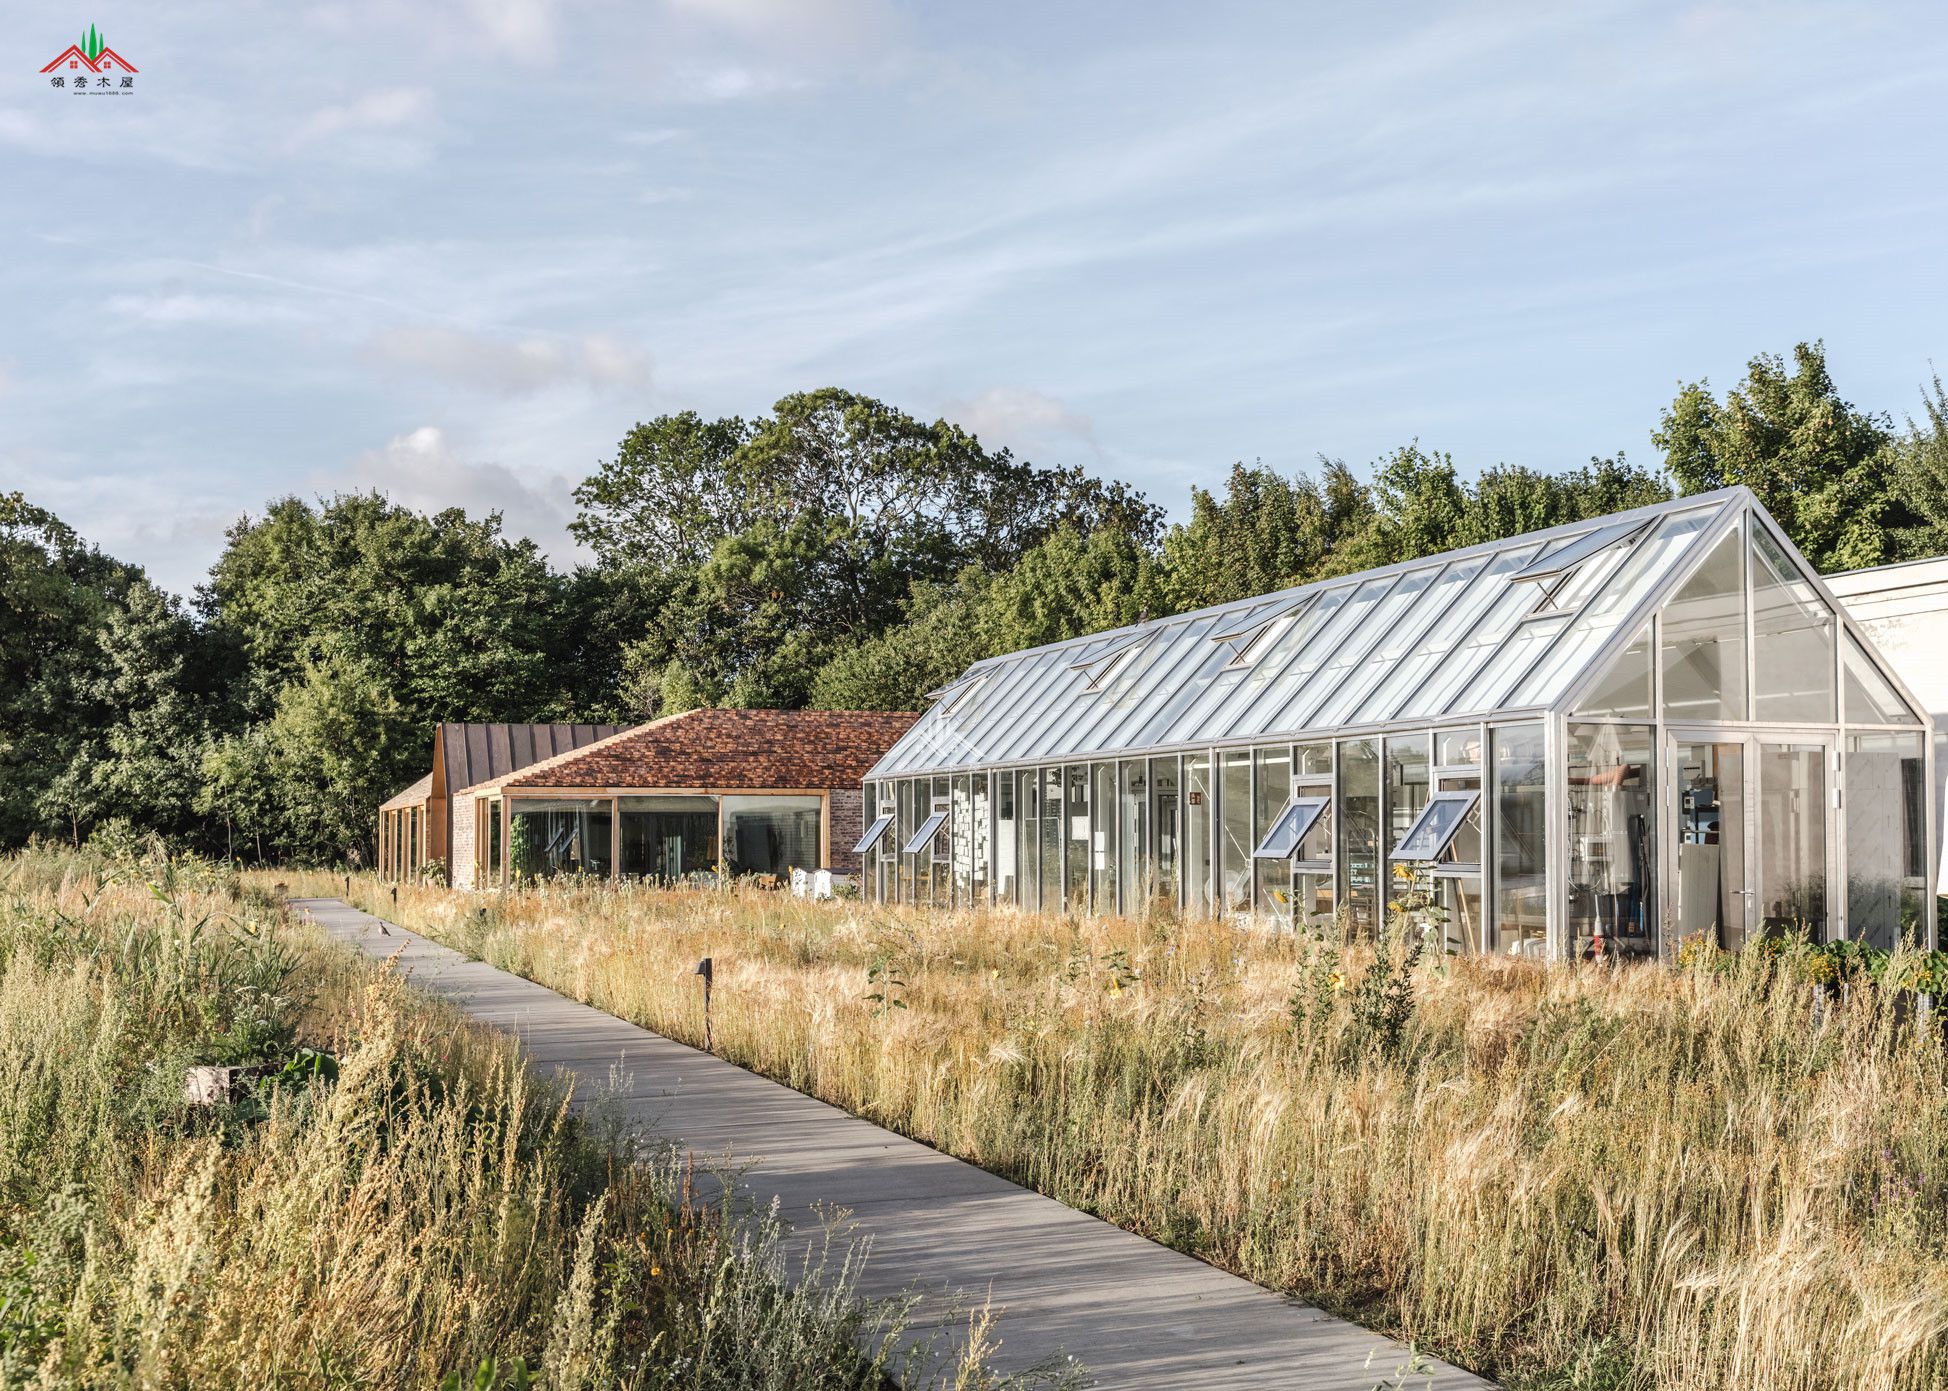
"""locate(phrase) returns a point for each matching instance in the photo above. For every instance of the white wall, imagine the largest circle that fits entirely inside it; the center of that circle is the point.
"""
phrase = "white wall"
(1904, 609)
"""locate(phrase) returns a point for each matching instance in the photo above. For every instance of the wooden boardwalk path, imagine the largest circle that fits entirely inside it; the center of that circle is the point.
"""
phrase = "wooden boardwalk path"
(1136, 1314)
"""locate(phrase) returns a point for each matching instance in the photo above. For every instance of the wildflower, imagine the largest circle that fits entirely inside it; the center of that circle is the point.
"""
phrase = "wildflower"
(1337, 980)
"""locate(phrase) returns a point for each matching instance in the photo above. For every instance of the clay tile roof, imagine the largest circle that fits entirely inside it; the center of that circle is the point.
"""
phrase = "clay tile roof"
(409, 797)
(725, 749)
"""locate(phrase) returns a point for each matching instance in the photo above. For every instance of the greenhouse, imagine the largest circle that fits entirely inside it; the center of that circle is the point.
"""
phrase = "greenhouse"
(1598, 740)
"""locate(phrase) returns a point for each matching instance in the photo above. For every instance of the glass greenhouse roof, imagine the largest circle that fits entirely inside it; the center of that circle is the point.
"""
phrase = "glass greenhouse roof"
(1511, 625)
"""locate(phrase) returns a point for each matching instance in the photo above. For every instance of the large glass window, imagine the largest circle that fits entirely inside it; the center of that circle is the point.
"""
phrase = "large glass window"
(1703, 655)
(962, 825)
(1133, 836)
(1164, 812)
(1792, 839)
(910, 802)
(1624, 691)
(1234, 815)
(494, 859)
(570, 836)
(771, 835)
(1792, 640)
(667, 839)
(1077, 857)
(1102, 838)
(1711, 889)
(1871, 698)
(1887, 849)
(1007, 842)
(1274, 790)
(1199, 862)
(941, 887)
(983, 838)
(1408, 781)
(1052, 842)
(1612, 822)
(1521, 837)
(1357, 815)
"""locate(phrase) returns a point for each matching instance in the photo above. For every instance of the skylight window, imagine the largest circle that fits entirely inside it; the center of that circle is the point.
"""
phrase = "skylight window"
(1439, 822)
(1571, 572)
(1291, 828)
(1102, 667)
(956, 694)
(1250, 640)
(874, 833)
(928, 830)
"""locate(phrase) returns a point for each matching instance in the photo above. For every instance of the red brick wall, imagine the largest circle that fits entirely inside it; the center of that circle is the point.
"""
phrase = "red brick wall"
(847, 826)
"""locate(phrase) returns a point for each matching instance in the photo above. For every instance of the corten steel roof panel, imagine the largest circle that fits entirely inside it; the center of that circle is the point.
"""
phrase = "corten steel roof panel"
(723, 749)
(478, 752)
(1433, 639)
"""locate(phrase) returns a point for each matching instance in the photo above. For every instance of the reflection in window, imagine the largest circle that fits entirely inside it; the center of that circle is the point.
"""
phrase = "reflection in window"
(1165, 814)
(570, 836)
(1792, 640)
(1273, 791)
(1051, 862)
(1624, 691)
(1076, 856)
(1234, 813)
(1521, 835)
(1358, 813)
(1792, 840)
(669, 839)
(1197, 834)
(1435, 829)
(1006, 843)
(1102, 828)
(1887, 856)
(771, 835)
(1704, 639)
(1612, 820)
(1133, 835)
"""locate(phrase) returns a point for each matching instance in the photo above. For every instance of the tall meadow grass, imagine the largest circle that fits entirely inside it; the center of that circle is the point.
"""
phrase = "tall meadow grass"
(399, 1204)
(1563, 1176)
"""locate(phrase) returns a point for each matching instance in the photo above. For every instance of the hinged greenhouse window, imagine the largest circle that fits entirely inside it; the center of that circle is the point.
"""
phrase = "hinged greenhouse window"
(956, 694)
(1249, 640)
(1436, 826)
(928, 830)
(1102, 667)
(874, 833)
(1290, 828)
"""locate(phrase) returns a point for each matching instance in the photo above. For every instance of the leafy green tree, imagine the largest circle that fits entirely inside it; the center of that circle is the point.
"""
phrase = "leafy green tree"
(1266, 533)
(1819, 465)
(334, 749)
(1921, 478)
(241, 789)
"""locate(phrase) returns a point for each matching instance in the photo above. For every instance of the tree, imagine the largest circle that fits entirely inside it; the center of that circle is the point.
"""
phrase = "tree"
(1820, 466)
(334, 749)
(1266, 533)
(1921, 477)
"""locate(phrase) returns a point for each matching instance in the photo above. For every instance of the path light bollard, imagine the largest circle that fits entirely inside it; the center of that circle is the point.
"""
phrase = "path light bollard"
(348, 886)
(703, 969)
(395, 898)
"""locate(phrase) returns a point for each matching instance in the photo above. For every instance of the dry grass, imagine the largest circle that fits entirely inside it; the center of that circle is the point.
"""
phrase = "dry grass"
(1564, 1176)
(410, 1210)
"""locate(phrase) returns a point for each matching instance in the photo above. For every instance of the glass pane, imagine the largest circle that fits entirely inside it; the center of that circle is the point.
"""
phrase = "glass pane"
(1234, 815)
(1436, 826)
(1028, 836)
(1489, 691)
(906, 823)
(1704, 640)
(1460, 899)
(1053, 895)
(1521, 835)
(1886, 839)
(1133, 836)
(1313, 761)
(961, 832)
(1711, 843)
(1649, 562)
(922, 839)
(1164, 814)
(1273, 790)
(1792, 640)
(570, 836)
(983, 832)
(867, 842)
(1221, 701)
(1871, 698)
(1449, 676)
(1339, 667)
(1199, 869)
(1624, 691)
(1076, 862)
(1007, 841)
(1612, 817)
(670, 839)
(1350, 704)
(1408, 783)
(1313, 897)
(1792, 840)
(1459, 748)
(1102, 839)
(1292, 662)
(940, 886)
(1433, 652)
(1573, 552)
(1464, 847)
(1290, 827)
(1358, 817)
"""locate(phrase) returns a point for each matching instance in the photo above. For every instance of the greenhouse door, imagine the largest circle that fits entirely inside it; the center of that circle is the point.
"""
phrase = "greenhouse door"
(1752, 833)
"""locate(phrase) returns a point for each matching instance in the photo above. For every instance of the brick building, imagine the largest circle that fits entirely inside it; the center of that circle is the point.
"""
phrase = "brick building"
(701, 793)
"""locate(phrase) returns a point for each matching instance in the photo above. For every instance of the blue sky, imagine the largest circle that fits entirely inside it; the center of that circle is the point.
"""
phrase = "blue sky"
(454, 249)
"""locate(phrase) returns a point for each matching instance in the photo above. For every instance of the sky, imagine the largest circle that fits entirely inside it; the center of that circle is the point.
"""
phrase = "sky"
(453, 250)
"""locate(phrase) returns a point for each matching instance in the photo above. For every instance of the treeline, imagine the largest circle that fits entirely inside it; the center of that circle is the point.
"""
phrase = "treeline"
(835, 553)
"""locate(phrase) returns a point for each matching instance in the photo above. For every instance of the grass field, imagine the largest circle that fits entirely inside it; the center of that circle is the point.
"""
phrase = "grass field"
(1562, 1176)
(397, 1203)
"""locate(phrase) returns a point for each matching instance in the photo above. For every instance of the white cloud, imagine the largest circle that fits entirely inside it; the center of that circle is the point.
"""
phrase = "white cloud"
(422, 470)
(391, 109)
(511, 367)
(1021, 417)
(795, 23)
(523, 29)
